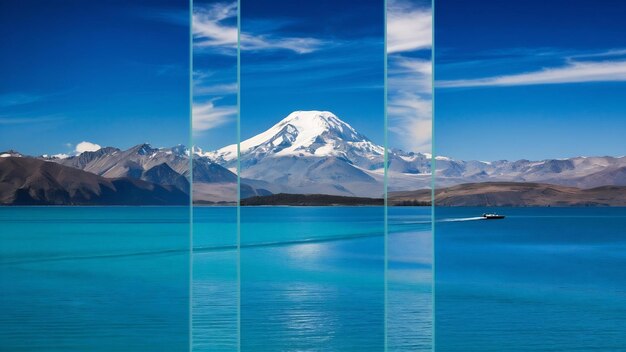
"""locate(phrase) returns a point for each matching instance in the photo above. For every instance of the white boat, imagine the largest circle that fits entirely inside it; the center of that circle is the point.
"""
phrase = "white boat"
(492, 216)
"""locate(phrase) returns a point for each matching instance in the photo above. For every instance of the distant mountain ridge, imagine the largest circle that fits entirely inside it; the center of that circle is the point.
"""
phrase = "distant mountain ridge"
(315, 152)
(30, 181)
(581, 172)
(503, 194)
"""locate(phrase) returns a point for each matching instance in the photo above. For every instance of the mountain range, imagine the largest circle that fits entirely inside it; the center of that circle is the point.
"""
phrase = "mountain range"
(315, 152)
(31, 181)
(504, 194)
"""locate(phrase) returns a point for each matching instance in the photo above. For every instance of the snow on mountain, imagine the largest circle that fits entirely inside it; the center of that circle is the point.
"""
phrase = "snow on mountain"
(316, 152)
(305, 133)
(308, 152)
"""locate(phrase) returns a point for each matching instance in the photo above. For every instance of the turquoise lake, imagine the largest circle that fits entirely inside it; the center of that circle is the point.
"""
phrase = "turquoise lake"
(312, 278)
(117, 279)
(543, 279)
(94, 279)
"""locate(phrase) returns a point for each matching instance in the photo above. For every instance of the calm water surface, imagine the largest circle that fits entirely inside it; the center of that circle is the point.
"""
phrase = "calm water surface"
(117, 279)
(94, 279)
(543, 279)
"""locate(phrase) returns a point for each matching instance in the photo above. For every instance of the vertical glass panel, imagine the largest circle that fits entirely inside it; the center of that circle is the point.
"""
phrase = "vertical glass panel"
(215, 260)
(530, 124)
(312, 117)
(409, 121)
(94, 109)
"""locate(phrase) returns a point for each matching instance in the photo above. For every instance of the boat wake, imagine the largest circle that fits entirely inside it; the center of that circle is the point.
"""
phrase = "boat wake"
(463, 219)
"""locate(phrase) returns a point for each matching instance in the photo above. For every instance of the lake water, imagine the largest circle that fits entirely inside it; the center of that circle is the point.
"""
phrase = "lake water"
(117, 279)
(94, 279)
(543, 279)
(312, 278)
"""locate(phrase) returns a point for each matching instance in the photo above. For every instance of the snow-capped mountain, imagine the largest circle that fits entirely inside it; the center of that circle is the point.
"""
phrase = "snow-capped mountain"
(316, 152)
(309, 152)
(306, 134)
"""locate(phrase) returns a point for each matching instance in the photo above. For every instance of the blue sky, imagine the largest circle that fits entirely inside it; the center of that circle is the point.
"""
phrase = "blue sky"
(324, 55)
(302, 56)
(530, 79)
(107, 72)
(331, 58)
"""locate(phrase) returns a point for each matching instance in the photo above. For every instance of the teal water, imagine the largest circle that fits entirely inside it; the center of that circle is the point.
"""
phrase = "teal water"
(215, 281)
(117, 279)
(409, 275)
(94, 279)
(312, 278)
(543, 279)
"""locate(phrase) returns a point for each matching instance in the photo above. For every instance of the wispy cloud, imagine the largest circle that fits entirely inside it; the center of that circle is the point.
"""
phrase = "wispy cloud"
(606, 53)
(409, 30)
(410, 102)
(411, 120)
(207, 116)
(213, 84)
(410, 74)
(213, 27)
(217, 89)
(409, 27)
(571, 72)
(266, 42)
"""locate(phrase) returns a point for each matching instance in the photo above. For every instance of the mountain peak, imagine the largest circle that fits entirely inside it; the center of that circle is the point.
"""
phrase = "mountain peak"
(314, 122)
(143, 149)
(179, 150)
(313, 133)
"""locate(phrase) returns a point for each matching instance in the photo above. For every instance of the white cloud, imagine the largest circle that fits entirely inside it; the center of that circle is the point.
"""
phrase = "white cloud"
(408, 27)
(209, 28)
(297, 45)
(200, 89)
(207, 116)
(410, 74)
(606, 53)
(410, 119)
(213, 27)
(572, 72)
(86, 147)
(410, 103)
